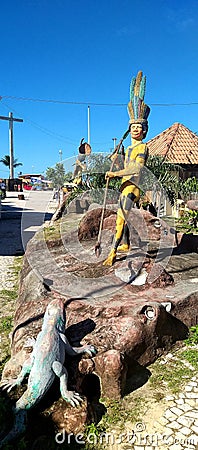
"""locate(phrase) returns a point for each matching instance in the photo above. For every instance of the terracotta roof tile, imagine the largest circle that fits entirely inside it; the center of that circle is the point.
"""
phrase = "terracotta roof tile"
(177, 144)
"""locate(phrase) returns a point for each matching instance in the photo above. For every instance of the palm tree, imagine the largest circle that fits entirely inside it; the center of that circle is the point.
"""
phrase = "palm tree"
(6, 161)
(166, 174)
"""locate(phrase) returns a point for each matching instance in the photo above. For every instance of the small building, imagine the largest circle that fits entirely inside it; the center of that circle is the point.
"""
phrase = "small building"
(14, 184)
(32, 181)
(178, 145)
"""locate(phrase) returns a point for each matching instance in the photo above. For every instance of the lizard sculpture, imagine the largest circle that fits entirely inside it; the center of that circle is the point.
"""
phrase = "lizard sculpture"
(45, 361)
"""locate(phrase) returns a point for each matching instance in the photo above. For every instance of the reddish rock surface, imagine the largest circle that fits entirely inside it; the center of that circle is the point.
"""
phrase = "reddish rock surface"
(192, 204)
(89, 225)
(125, 322)
(141, 220)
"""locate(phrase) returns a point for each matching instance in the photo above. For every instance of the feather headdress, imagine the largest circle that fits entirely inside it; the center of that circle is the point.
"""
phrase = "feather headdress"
(137, 109)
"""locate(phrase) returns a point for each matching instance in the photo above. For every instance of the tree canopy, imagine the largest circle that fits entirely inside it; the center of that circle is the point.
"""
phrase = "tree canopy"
(6, 161)
(57, 175)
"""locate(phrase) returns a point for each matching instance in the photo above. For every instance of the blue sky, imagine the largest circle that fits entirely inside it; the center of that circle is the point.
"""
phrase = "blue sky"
(84, 52)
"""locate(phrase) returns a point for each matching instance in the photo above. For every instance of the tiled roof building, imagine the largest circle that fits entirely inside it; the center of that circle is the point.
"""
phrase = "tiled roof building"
(179, 145)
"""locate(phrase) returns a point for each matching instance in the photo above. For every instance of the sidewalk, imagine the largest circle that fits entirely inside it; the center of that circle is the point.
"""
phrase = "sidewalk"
(20, 219)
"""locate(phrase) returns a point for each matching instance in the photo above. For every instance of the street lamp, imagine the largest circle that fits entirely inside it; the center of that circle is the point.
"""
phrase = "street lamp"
(60, 154)
(114, 142)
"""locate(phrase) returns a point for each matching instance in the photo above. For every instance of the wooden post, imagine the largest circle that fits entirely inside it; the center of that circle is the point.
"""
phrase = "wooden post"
(88, 126)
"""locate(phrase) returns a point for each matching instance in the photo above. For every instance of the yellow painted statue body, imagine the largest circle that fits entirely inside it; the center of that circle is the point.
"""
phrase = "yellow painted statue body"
(135, 158)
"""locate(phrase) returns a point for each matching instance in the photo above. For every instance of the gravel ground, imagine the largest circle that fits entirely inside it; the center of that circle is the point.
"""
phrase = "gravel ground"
(6, 272)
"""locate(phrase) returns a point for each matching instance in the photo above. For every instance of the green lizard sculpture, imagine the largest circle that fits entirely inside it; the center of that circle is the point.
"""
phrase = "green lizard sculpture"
(46, 361)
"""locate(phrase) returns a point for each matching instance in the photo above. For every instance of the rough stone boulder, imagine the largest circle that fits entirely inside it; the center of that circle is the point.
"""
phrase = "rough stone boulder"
(132, 312)
(142, 224)
(192, 204)
(89, 225)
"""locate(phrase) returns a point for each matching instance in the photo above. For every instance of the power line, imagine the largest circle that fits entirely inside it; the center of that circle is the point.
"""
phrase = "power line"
(5, 171)
(48, 132)
(174, 104)
(43, 129)
(60, 101)
(89, 103)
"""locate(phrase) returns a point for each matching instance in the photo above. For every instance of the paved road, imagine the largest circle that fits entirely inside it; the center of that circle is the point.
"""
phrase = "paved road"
(20, 219)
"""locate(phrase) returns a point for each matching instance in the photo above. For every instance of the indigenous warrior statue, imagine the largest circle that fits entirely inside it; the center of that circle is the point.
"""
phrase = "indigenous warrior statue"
(135, 158)
(84, 150)
(80, 166)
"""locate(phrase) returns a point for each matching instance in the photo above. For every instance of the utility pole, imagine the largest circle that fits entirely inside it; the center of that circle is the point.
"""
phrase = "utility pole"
(60, 154)
(88, 125)
(11, 141)
(114, 142)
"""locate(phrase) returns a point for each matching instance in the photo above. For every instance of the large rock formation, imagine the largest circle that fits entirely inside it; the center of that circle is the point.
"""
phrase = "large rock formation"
(131, 312)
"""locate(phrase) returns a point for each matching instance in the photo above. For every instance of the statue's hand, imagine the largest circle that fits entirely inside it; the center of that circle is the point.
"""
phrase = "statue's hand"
(109, 175)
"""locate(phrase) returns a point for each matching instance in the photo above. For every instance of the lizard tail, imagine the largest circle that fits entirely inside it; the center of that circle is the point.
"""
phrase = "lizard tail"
(18, 427)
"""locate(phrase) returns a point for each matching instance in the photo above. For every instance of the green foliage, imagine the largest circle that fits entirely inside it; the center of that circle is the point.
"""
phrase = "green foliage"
(17, 266)
(7, 297)
(97, 195)
(10, 294)
(191, 356)
(6, 324)
(173, 373)
(98, 166)
(92, 428)
(159, 167)
(188, 222)
(188, 186)
(6, 161)
(170, 376)
(155, 165)
(166, 175)
(92, 437)
(77, 191)
(163, 175)
(68, 176)
(158, 174)
(193, 336)
(118, 411)
(52, 232)
(56, 175)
